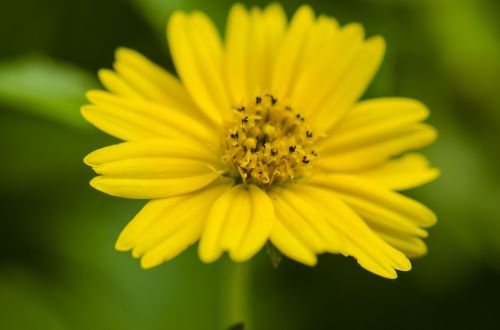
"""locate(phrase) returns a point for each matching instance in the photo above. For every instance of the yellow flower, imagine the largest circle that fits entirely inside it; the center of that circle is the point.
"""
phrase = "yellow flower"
(263, 138)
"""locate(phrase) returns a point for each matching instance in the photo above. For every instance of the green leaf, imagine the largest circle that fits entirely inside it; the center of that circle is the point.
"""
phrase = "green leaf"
(45, 87)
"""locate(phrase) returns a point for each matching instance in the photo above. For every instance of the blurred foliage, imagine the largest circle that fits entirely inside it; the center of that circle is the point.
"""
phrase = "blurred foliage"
(58, 268)
(45, 87)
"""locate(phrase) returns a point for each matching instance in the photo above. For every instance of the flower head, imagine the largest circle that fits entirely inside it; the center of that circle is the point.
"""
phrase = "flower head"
(263, 138)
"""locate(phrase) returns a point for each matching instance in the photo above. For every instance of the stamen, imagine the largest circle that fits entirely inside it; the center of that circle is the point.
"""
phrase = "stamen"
(268, 143)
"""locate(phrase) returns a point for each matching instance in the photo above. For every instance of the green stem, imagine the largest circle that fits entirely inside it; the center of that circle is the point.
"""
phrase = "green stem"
(236, 306)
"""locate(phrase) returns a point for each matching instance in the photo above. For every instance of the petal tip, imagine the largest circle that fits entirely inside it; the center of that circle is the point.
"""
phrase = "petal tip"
(94, 95)
(275, 6)
(377, 45)
(104, 74)
(123, 52)
(96, 183)
(177, 17)
(432, 218)
(436, 173)
(238, 7)
(148, 263)
(122, 245)
(206, 255)
(305, 9)
(84, 111)
(90, 159)
(405, 266)
(239, 257)
(355, 30)
(311, 262)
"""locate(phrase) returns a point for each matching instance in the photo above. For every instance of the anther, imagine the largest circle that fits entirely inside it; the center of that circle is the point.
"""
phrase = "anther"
(292, 148)
(273, 99)
(258, 100)
(250, 143)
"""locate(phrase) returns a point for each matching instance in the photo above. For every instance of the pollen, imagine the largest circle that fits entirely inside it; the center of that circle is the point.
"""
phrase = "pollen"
(268, 142)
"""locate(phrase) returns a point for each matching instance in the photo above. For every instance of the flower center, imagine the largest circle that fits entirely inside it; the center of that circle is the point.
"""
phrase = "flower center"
(268, 142)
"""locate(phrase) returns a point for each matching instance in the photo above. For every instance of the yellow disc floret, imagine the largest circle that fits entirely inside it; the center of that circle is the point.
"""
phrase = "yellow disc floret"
(268, 142)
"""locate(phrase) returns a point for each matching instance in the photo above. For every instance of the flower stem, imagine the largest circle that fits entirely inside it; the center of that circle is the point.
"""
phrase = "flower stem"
(236, 300)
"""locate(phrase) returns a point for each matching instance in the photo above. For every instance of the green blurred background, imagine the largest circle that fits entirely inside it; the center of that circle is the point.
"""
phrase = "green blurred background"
(58, 267)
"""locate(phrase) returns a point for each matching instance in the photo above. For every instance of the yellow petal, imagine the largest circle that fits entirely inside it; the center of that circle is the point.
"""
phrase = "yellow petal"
(149, 215)
(164, 87)
(238, 52)
(186, 236)
(343, 62)
(238, 214)
(375, 203)
(374, 131)
(411, 246)
(298, 227)
(126, 126)
(239, 222)
(151, 169)
(153, 83)
(328, 53)
(210, 247)
(361, 242)
(350, 85)
(317, 44)
(374, 120)
(289, 54)
(258, 229)
(304, 222)
(197, 53)
(251, 40)
(291, 246)
(382, 219)
(143, 85)
(378, 151)
(140, 119)
(274, 30)
(142, 188)
(156, 222)
(267, 30)
(155, 148)
(117, 85)
(189, 212)
(166, 227)
(406, 172)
